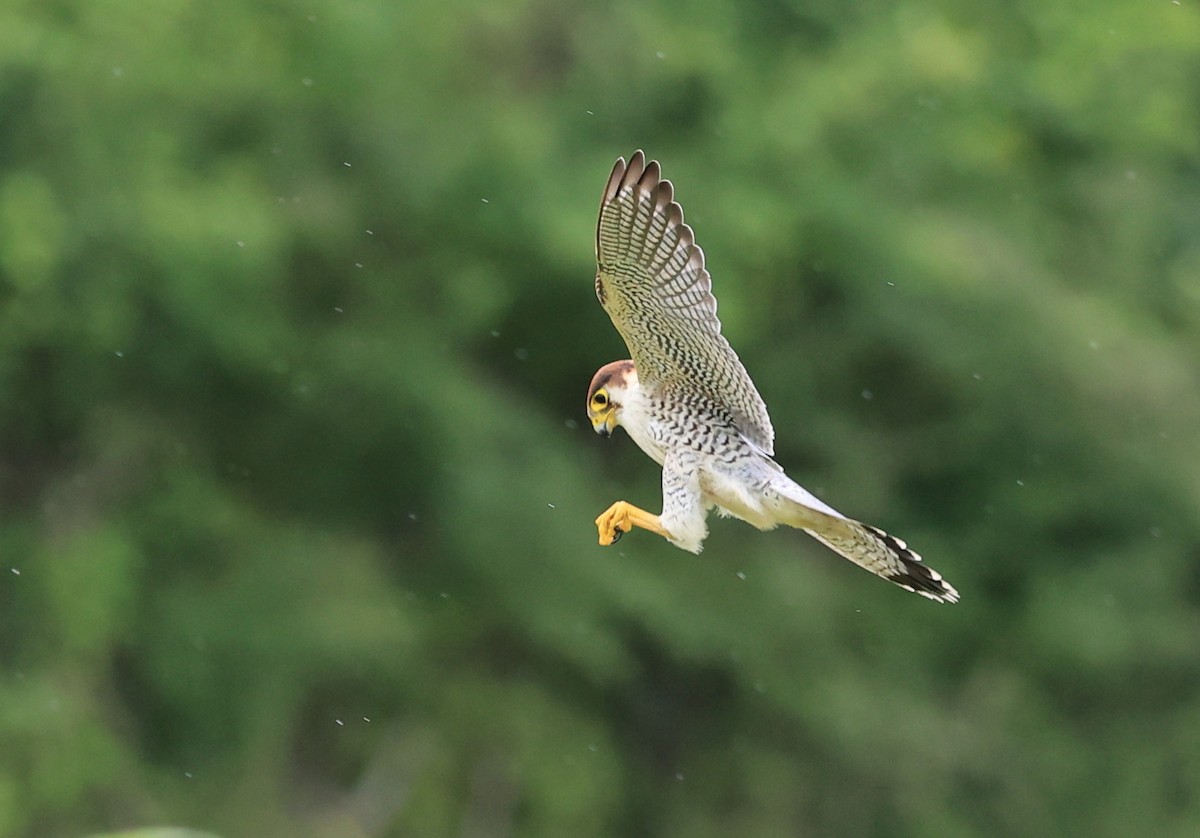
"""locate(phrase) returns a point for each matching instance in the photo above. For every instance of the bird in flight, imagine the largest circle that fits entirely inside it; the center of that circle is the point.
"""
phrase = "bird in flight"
(688, 402)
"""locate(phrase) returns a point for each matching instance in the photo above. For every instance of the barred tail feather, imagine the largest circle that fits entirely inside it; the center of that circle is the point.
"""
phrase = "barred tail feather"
(886, 556)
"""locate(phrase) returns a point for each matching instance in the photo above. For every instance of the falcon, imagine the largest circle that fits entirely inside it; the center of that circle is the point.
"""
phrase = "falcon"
(687, 401)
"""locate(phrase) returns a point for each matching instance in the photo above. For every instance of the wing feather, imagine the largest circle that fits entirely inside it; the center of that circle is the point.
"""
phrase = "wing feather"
(652, 282)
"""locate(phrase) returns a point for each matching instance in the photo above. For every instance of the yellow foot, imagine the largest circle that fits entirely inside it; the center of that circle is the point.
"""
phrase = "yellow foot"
(621, 517)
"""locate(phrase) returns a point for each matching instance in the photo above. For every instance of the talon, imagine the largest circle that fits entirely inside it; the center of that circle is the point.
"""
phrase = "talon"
(621, 518)
(609, 526)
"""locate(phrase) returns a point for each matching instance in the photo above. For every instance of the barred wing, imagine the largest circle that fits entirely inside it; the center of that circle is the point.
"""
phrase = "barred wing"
(652, 282)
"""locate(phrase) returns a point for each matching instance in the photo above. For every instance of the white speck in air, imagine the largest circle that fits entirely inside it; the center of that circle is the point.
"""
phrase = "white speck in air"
(485, 200)
(590, 113)
(306, 82)
(1021, 483)
(347, 165)
(338, 309)
(187, 774)
(119, 354)
(370, 232)
(741, 575)
(892, 284)
(358, 264)
(522, 354)
(16, 571)
(978, 376)
(340, 722)
(552, 506)
(241, 243)
(365, 719)
(868, 395)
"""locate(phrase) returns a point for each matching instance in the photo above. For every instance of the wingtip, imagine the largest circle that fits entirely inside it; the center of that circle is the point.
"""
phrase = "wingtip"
(614, 181)
(639, 171)
(651, 175)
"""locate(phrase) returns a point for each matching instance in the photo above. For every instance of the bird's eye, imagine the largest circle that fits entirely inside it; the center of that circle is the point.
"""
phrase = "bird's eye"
(599, 400)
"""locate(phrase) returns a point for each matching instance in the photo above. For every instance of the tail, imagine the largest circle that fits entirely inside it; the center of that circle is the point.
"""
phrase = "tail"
(866, 546)
(886, 556)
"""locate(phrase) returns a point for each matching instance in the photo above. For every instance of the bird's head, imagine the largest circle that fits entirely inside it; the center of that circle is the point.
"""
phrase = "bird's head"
(606, 395)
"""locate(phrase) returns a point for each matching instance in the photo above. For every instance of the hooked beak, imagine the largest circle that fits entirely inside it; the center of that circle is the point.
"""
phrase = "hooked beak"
(603, 423)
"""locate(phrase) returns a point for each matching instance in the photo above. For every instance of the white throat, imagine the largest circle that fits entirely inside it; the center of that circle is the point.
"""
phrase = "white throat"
(638, 420)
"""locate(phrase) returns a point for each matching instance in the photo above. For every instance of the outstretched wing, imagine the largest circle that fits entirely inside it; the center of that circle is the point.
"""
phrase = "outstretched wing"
(652, 282)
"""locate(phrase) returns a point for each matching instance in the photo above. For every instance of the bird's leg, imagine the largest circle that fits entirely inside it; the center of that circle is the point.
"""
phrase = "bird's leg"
(621, 517)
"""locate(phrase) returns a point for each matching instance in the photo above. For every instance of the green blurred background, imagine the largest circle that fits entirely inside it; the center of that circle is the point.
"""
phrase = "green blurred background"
(296, 493)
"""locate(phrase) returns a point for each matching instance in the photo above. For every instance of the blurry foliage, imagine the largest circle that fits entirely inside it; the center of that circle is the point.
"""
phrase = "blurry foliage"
(295, 321)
